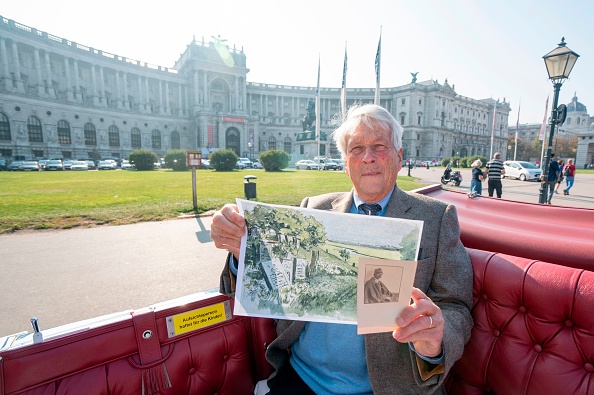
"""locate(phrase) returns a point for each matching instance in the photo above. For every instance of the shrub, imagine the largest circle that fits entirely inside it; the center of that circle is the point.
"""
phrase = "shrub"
(223, 160)
(274, 160)
(176, 160)
(475, 157)
(143, 159)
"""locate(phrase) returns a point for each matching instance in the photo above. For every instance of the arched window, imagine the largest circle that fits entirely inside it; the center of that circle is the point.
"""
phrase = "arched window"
(64, 136)
(175, 141)
(113, 135)
(34, 129)
(156, 139)
(271, 143)
(90, 134)
(287, 145)
(4, 128)
(135, 138)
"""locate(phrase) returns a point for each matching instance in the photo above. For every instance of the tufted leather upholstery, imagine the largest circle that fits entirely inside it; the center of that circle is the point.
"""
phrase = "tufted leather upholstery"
(533, 334)
(533, 329)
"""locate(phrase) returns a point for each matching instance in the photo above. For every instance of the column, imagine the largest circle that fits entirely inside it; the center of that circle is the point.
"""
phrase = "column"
(196, 91)
(17, 68)
(147, 95)
(5, 69)
(161, 106)
(94, 86)
(102, 96)
(139, 100)
(261, 109)
(126, 103)
(118, 98)
(205, 99)
(277, 114)
(245, 102)
(167, 109)
(48, 68)
(76, 81)
(69, 96)
(180, 105)
(236, 92)
(40, 85)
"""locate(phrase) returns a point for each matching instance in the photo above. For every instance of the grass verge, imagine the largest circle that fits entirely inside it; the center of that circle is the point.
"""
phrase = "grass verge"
(62, 200)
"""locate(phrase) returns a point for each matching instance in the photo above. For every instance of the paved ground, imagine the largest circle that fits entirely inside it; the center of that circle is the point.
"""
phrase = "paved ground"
(70, 275)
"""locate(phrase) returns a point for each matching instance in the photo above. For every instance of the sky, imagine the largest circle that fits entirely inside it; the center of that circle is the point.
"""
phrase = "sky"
(486, 49)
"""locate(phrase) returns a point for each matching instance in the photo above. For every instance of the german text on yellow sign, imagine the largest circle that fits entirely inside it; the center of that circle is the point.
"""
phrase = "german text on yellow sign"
(197, 319)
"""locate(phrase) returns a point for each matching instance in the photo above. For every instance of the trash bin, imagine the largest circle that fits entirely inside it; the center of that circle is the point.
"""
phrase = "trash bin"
(249, 188)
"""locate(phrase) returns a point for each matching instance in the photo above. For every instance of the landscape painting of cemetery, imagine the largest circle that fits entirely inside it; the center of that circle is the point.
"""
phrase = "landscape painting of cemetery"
(302, 264)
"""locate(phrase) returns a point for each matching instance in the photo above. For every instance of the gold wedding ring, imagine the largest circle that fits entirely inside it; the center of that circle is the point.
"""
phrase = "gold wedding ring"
(430, 322)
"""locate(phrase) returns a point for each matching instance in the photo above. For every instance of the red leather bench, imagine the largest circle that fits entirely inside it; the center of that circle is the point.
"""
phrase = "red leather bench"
(533, 332)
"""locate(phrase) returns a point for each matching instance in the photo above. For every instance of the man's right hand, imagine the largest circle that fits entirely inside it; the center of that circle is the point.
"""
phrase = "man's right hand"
(227, 229)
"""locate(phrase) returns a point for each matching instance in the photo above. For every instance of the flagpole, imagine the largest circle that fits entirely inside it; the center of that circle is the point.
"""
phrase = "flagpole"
(493, 129)
(318, 110)
(343, 91)
(543, 131)
(517, 126)
(378, 60)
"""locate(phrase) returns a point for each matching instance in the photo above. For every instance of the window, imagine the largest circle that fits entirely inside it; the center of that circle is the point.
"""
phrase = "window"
(418, 119)
(64, 136)
(175, 141)
(90, 134)
(402, 119)
(271, 143)
(135, 138)
(403, 101)
(8, 152)
(301, 149)
(34, 129)
(156, 139)
(287, 145)
(418, 137)
(113, 135)
(4, 128)
(38, 153)
(420, 102)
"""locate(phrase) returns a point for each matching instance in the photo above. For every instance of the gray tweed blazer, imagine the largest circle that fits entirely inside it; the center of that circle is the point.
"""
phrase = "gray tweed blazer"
(444, 273)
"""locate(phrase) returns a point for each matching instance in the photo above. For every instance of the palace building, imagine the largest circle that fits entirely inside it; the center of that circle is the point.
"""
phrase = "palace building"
(63, 99)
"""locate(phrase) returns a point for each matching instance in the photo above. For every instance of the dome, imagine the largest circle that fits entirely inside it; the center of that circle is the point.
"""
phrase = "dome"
(576, 106)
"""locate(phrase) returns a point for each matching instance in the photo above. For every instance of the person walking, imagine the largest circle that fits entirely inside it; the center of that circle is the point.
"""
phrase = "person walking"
(476, 182)
(560, 176)
(569, 173)
(495, 171)
(552, 177)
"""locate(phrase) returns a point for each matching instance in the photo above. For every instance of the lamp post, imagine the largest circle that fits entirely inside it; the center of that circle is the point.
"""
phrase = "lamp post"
(559, 63)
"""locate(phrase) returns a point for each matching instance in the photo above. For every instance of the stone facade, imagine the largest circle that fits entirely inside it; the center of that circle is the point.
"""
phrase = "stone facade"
(62, 99)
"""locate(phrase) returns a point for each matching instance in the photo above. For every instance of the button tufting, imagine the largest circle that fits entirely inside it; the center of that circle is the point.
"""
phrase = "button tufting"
(588, 367)
(484, 297)
(496, 332)
(537, 348)
(192, 371)
(226, 357)
(569, 323)
(522, 309)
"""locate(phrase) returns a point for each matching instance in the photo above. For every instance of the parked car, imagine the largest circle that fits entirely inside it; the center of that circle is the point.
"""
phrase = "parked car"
(521, 170)
(54, 165)
(79, 165)
(42, 163)
(248, 163)
(205, 164)
(15, 165)
(257, 165)
(107, 165)
(3, 164)
(91, 164)
(339, 164)
(67, 163)
(326, 163)
(126, 165)
(30, 165)
(240, 165)
(307, 164)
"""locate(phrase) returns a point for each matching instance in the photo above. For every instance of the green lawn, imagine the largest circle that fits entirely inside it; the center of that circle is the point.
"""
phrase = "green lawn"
(61, 200)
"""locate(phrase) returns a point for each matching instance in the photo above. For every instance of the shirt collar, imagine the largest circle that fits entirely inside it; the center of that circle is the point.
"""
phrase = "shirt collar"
(384, 203)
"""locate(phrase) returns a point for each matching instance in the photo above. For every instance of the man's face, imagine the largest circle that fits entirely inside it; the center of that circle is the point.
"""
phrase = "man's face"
(372, 163)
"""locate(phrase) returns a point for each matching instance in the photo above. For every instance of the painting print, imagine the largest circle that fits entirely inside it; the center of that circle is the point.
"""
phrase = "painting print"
(302, 264)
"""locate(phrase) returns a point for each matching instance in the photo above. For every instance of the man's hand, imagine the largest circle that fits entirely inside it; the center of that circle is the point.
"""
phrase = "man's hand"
(227, 229)
(422, 324)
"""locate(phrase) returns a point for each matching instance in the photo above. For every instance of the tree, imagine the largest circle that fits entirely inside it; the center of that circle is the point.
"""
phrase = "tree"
(345, 254)
(143, 159)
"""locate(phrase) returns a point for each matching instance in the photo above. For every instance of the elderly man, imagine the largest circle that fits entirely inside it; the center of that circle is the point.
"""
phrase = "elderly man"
(429, 335)
(375, 291)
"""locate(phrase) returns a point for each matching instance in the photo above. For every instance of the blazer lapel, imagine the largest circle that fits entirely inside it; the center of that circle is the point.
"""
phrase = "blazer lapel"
(343, 203)
(399, 204)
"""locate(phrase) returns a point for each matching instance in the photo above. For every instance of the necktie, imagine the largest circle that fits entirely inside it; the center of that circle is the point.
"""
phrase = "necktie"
(370, 209)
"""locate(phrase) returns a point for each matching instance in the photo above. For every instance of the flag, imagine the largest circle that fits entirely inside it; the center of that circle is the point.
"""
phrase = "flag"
(517, 127)
(543, 126)
(318, 110)
(343, 90)
(378, 59)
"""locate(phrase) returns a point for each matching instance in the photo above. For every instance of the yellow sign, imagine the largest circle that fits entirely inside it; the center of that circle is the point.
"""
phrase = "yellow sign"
(197, 319)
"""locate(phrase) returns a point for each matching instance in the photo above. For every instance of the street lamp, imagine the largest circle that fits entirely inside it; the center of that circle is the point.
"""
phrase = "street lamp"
(559, 62)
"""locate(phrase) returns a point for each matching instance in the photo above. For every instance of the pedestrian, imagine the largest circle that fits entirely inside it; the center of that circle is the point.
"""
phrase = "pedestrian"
(569, 173)
(552, 177)
(559, 176)
(494, 171)
(429, 335)
(476, 182)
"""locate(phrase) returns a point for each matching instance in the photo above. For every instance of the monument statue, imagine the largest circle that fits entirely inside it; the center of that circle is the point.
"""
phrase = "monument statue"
(309, 119)
(414, 75)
